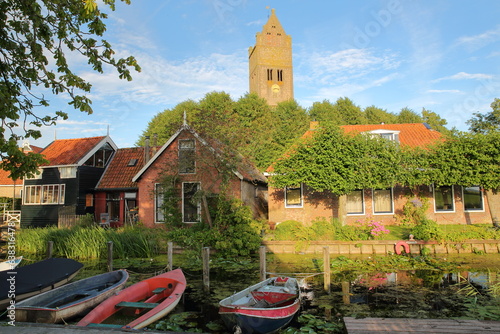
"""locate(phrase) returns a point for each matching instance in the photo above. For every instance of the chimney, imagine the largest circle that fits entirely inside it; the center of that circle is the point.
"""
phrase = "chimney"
(154, 144)
(313, 125)
(146, 150)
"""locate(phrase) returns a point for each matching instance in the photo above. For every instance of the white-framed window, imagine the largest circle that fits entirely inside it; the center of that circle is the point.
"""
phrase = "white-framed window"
(473, 198)
(386, 134)
(67, 172)
(444, 199)
(294, 196)
(187, 156)
(44, 194)
(159, 197)
(383, 201)
(355, 203)
(191, 206)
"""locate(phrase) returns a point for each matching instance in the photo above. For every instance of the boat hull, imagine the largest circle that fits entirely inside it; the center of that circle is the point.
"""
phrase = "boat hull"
(36, 278)
(165, 290)
(10, 264)
(72, 299)
(262, 308)
(262, 323)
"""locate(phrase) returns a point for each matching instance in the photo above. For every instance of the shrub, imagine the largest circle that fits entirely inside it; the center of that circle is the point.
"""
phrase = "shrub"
(428, 229)
(288, 230)
(234, 232)
(324, 230)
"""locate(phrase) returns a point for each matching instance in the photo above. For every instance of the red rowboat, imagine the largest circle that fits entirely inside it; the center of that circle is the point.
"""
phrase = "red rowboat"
(262, 308)
(159, 294)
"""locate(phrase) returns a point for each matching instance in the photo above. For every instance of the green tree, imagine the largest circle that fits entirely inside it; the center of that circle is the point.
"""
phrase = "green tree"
(324, 111)
(167, 122)
(406, 115)
(485, 123)
(290, 123)
(435, 121)
(35, 37)
(348, 112)
(375, 115)
(256, 124)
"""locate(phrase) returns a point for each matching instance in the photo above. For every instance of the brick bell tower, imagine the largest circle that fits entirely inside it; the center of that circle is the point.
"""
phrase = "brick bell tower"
(270, 63)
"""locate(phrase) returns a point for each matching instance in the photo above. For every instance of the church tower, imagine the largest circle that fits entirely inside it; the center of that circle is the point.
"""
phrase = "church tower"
(270, 63)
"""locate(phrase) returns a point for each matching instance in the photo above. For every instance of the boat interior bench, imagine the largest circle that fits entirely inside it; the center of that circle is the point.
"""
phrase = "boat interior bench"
(137, 305)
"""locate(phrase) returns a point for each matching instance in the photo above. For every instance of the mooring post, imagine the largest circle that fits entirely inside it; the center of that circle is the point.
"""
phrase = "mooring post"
(346, 292)
(110, 255)
(50, 248)
(326, 269)
(262, 256)
(170, 251)
(206, 269)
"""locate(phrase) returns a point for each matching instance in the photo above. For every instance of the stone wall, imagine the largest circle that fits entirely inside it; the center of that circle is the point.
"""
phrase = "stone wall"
(381, 247)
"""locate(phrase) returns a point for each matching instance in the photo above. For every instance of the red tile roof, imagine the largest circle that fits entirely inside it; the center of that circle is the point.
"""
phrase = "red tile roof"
(6, 180)
(119, 174)
(69, 151)
(411, 134)
(4, 175)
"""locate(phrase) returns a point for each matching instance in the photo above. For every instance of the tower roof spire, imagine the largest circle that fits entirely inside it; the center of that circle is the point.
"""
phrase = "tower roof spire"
(273, 25)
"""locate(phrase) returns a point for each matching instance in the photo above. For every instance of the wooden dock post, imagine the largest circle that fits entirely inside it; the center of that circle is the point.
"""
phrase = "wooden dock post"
(206, 269)
(50, 248)
(326, 269)
(110, 255)
(170, 247)
(262, 256)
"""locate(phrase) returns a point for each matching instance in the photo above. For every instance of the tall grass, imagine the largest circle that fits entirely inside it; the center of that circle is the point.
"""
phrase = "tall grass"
(84, 243)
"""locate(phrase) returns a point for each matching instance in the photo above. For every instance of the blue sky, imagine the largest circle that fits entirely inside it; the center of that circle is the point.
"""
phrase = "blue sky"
(440, 55)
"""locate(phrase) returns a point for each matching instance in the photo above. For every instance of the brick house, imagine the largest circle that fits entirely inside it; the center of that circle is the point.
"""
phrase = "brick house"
(196, 163)
(115, 197)
(447, 204)
(65, 184)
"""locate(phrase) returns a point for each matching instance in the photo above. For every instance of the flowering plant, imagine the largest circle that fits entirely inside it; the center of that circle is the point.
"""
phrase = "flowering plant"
(377, 229)
(372, 228)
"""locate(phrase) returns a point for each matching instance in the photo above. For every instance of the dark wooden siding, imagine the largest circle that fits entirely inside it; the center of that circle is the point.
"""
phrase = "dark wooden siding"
(75, 194)
(87, 181)
(41, 215)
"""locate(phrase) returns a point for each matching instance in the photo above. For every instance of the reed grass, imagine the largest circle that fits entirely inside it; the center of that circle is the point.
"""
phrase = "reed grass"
(84, 243)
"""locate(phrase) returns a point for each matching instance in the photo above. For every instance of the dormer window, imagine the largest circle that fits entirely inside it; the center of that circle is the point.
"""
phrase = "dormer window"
(101, 157)
(386, 134)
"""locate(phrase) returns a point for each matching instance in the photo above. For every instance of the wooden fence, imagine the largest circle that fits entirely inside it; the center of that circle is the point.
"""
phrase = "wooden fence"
(66, 221)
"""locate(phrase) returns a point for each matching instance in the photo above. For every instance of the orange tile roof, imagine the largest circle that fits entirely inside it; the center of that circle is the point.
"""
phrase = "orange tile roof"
(411, 134)
(6, 180)
(69, 151)
(119, 175)
(5, 175)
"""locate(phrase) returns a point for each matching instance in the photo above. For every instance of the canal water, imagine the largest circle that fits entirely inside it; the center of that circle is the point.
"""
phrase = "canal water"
(461, 292)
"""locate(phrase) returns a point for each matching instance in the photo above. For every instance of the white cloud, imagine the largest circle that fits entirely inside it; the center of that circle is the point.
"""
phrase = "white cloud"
(478, 41)
(466, 76)
(440, 91)
(335, 68)
(163, 82)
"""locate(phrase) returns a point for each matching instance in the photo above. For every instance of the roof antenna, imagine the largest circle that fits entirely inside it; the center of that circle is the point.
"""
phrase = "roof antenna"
(108, 131)
(55, 134)
(184, 121)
